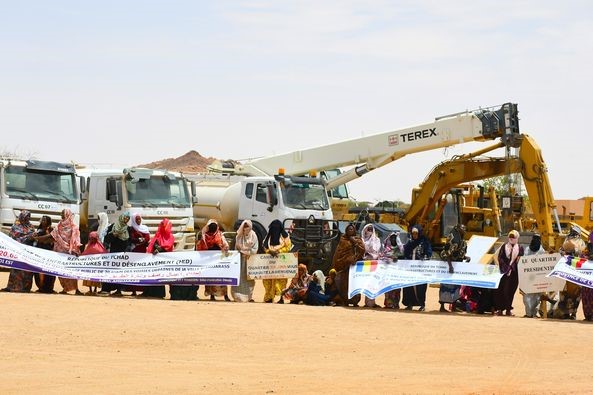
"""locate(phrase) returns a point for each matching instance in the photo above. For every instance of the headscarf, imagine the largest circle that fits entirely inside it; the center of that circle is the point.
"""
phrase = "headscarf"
(246, 242)
(275, 230)
(211, 239)
(22, 228)
(94, 246)
(536, 243)
(372, 244)
(388, 247)
(120, 227)
(163, 236)
(139, 228)
(511, 248)
(66, 235)
(320, 279)
(103, 225)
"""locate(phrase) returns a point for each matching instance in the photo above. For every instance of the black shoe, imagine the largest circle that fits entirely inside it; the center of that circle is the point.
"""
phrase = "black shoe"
(281, 301)
(421, 308)
(212, 298)
(226, 298)
(408, 307)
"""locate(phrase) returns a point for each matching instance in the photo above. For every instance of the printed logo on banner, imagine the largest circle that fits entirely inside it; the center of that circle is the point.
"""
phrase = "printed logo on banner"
(393, 139)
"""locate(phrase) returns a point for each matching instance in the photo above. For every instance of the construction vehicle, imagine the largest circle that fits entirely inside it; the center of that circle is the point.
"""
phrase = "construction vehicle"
(577, 212)
(364, 153)
(155, 194)
(433, 202)
(41, 187)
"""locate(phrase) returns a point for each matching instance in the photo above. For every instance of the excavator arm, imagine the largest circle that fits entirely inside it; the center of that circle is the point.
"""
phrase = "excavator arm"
(472, 167)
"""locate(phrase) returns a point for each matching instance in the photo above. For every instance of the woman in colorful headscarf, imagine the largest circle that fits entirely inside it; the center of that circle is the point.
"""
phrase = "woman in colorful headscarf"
(350, 249)
(21, 231)
(297, 289)
(372, 250)
(94, 246)
(247, 244)
(67, 241)
(508, 257)
(213, 239)
(417, 248)
(43, 240)
(117, 239)
(163, 241)
(277, 241)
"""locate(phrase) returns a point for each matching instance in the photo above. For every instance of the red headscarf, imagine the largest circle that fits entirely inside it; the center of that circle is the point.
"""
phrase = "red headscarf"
(163, 236)
(94, 246)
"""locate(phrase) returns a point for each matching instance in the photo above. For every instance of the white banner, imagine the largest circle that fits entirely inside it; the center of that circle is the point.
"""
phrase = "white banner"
(264, 266)
(533, 273)
(575, 270)
(194, 267)
(373, 278)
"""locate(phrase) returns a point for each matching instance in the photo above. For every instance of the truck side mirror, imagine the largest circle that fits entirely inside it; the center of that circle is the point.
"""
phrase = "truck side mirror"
(114, 191)
(271, 197)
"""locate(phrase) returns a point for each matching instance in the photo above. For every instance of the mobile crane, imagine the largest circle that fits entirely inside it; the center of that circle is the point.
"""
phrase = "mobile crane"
(312, 231)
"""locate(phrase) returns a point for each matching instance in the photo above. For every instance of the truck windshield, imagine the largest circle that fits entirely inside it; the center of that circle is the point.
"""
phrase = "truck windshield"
(305, 196)
(158, 191)
(24, 183)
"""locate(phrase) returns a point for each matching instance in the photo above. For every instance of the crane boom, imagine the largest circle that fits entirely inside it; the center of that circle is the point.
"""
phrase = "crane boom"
(371, 152)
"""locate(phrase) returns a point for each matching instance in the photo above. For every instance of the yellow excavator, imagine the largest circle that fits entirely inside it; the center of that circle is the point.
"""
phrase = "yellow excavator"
(439, 203)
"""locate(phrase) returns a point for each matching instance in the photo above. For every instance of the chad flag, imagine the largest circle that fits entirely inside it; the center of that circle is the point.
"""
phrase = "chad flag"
(366, 266)
(575, 262)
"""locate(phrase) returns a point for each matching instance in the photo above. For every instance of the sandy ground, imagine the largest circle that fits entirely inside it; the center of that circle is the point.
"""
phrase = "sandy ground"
(61, 344)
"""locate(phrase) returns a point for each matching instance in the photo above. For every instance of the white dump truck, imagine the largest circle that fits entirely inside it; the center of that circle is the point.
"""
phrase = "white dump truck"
(155, 194)
(43, 188)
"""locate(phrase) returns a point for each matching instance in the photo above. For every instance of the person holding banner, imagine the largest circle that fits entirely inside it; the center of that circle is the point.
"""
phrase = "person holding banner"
(213, 239)
(392, 247)
(21, 231)
(350, 250)
(94, 246)
(247, 244)
(44, 282)
(163, 241)
(372, 250)
(139, 238)
(67, 241)
(531, 300)
(508, 257)
(277, 241)
(117, 239)
(454, 251)
(417, 248)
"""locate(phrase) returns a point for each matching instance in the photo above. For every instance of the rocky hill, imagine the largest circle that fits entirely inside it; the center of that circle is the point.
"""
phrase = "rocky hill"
(191, 162)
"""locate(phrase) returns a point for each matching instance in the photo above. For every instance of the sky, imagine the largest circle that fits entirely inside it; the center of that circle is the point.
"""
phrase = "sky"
(131, 82)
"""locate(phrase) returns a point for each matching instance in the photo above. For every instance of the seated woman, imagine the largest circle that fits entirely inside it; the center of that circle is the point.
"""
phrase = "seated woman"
(316, 290)
(297, 289)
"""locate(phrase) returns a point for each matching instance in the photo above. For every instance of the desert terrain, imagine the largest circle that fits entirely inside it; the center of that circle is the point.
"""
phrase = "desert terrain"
(77, 344)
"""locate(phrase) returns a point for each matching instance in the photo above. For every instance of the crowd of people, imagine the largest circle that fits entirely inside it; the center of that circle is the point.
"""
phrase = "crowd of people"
(129, 234)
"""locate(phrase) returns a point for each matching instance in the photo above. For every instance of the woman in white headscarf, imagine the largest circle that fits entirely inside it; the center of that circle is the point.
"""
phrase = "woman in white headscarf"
(247, 244)
(508, 257)
(372, 250)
